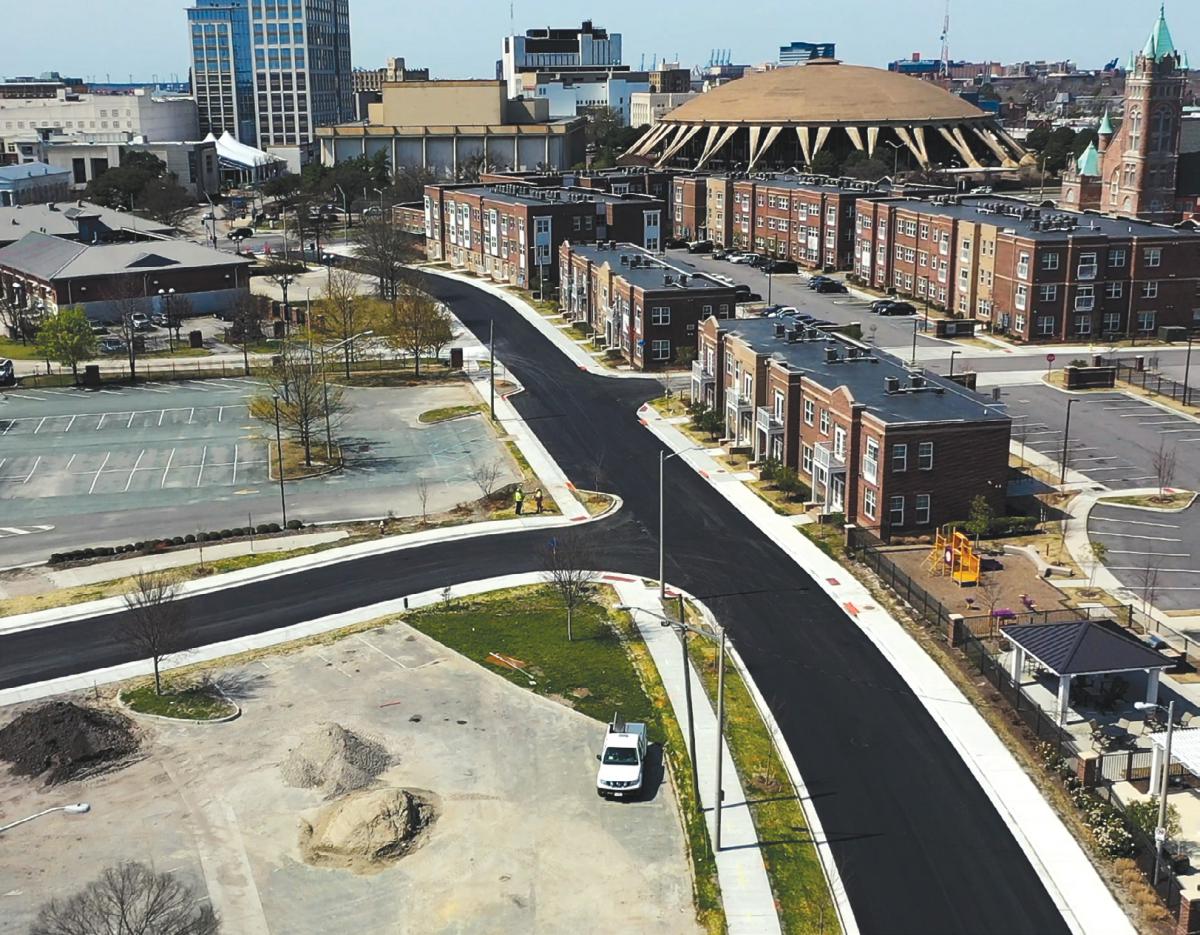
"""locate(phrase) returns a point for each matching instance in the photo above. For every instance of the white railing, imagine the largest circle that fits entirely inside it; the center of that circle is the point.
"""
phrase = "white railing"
(767, 421)
(1087, 272)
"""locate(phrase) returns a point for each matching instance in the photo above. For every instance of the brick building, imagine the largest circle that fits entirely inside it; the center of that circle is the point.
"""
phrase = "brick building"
(718, 210)
(899, 452)
(1034, 274)
(510, 231)
(641, 304)
(689, 207)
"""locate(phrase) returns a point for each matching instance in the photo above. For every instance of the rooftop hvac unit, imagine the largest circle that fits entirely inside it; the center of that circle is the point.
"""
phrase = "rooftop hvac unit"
(624, 259)
(916, 382)
(793, 335)
(683, 279)
(780, 329)
(891, 385)
(852, 353)
(831, 355)
(668, 279)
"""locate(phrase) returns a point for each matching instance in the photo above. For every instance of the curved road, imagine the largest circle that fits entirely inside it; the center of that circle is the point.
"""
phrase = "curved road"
(919, 846)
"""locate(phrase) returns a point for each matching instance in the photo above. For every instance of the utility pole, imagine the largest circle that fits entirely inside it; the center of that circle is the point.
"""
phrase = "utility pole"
(1187, 368)
(279, 446)
(1062, 474)
(492, 365)
(720, 795)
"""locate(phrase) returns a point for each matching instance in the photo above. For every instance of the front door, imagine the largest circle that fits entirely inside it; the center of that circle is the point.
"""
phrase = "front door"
(837, 493)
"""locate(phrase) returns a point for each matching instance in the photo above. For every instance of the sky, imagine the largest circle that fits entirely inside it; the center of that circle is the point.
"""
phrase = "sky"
(461, 38)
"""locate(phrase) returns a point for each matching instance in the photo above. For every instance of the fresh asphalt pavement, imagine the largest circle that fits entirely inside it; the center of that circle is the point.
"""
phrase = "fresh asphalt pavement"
(156, 459)
(1114, 442)
(919, 846)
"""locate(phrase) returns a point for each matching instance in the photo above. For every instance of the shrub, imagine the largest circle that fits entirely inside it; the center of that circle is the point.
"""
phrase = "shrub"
(274, 527)
(262, 528)
(189, 538)
(294, 524)
(55, 558)
(177, 540)
(768, 469)
(226, 533)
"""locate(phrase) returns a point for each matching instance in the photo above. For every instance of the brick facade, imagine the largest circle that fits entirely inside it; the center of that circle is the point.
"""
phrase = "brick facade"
(689, 208)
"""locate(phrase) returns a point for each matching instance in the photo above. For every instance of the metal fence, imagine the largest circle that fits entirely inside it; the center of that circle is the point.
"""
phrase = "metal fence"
(1151, 381)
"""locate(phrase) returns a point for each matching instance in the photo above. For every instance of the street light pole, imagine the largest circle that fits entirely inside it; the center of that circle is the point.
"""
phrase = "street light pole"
(769, 279)
(1062, 474)
(492, 365)
(279, 447)
(78, 808)
(720, 737)
(953, 354)
(1187, 367)
(914, 347)
(1160, 829)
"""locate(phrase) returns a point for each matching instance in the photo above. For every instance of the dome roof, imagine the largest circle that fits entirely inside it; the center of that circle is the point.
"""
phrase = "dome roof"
(825, 93)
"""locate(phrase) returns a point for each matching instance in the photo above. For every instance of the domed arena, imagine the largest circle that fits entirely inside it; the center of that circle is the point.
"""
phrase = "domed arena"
(789, 116)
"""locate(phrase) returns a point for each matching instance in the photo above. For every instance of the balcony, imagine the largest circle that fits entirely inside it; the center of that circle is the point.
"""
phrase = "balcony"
(1085, 303)
(1087, 272)
(824, 457)
(701, 375)
(767, 421)
(735, 402)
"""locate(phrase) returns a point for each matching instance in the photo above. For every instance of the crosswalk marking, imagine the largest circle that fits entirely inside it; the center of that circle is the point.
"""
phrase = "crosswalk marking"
(6, 531)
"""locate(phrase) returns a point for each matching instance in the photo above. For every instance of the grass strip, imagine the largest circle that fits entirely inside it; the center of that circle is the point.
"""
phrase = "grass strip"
(197, 702)
(445, 413)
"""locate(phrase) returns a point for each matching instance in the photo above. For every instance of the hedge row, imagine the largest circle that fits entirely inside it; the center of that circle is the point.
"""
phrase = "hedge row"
(162, 545)
(1005, 526)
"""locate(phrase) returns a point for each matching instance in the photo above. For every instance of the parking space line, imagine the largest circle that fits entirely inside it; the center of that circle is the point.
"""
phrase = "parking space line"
(1125, 535)
(1174, 571)
(1155, 554)
(161, 414)
(133, 470)
(69, 424)
(32, 469)
(365, 642)
(203, 458)
(40, 424)
(107, 455)
(101, 422)
(220, 413)
(151, 390)
(235, 463)
(70, 461)
(191, 415)
(11, 423)
(1134, 522)
(111, 392)
(130, 422)
(170, 458)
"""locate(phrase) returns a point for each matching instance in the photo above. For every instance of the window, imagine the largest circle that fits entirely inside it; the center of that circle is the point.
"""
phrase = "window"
(808, 411)
(824, 421)
(1083, 324)
(1114, 290)
(660, 315)
(1116, 257)
(1019, 324)
(1146, 321)
(922, 509)
(925, 456)
(1048, 293)
(1022, 297)
(839, 441)
(870, 467)
(1153, 256)
(806, 459)
(1150, 289)
(1087, 266)
(1045, 325)
(1112, 322)
(1085, 298)
(1023, 266)
(660, 349)
(1049, 261)
(896, 511)
(869, 502)
(778, 409)
(899, 458)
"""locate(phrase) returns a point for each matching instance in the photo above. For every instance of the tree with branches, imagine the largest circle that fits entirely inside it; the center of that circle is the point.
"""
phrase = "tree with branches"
(66, 337)
(245, 326)
(418, 323)
(308, 404)
(129, 899)
(153, 622)
(1163, 464)
(570, 568)
(485, 474)
(342, 311)
(384, 249)
(129, 299)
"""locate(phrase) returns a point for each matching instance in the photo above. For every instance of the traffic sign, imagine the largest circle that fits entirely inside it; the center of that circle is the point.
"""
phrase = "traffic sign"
(1050, 358)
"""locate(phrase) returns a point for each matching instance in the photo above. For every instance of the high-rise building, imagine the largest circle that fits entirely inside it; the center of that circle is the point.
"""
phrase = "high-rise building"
(797, 53)
(271, 71)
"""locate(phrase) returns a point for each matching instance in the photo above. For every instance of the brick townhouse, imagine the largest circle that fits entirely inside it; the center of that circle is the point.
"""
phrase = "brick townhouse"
(619, 180)
(718, 210)
(510, 231)
(1035, 274)
(807, 219)
(689, 207)
(899, 452)
(643, 305)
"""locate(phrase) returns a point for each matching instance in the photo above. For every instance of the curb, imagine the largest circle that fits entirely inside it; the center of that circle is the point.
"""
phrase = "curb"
(237, 713)
(1103, 501)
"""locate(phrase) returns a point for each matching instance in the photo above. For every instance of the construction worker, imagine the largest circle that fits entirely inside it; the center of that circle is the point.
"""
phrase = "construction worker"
(519, 500)
(537, 499)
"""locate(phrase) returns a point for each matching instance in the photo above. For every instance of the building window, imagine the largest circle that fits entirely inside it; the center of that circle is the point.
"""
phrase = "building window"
(896, 511)
(808, 411)
(839, 441)
(871, 460)
(824, 421)
(1023, 266)
(1049, 261)
(1112, 322)
(1019, 324)
(1116, 257)
(1114, 290)
(1150, 289)
(1153, 256)
(925, 456)
(660, 315)
(899, 458)
(1045, 325)
(660, 349)
(1146, 321)
(869, 502)
(1087, 266)
(1083, 324)
(922, 509)
(806, 459)
(1048, 293)
(1022, 298)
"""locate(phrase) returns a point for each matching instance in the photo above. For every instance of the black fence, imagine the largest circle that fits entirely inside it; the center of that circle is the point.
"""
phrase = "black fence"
(1151, 381)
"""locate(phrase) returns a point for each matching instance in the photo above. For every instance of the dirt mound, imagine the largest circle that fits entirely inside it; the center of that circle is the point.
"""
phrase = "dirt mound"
(66, 741)
(365, 831)
(334, 760)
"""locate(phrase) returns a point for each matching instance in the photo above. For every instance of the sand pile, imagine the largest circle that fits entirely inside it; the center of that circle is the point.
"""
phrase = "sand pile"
(334, 760)
(66, 741)
(365, 831)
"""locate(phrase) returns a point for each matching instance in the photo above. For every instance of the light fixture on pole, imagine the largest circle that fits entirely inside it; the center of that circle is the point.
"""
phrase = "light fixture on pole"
(663, 458)
(1160, 829)
(1187, 367)
(953, 354)
(279, 447)
(916, 325)
(78, 808)
(1062, 474)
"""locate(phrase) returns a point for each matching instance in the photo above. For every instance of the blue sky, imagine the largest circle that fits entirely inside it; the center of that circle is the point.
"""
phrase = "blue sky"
(461, 38)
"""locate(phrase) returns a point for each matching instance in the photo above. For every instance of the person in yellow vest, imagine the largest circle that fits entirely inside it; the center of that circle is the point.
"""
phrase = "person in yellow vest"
(519, 500)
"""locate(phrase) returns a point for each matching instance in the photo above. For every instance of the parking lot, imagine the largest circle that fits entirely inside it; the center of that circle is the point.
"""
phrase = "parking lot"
(167, 459)
(1152, 553)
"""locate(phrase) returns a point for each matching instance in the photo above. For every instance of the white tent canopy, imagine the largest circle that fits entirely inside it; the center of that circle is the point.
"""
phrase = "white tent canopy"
(251, 163)
(1185, 749)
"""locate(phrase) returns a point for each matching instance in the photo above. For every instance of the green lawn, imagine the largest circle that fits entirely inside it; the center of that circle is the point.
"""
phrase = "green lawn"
(445, 413)
(606, 669)
(180, 351)
(197, 702)
(18, 351)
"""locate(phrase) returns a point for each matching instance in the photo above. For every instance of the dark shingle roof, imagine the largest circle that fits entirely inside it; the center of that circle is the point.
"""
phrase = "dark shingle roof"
(1084, 647)
(40, 255)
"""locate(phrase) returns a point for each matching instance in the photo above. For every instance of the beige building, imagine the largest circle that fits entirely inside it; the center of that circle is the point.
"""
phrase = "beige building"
(647, 107)
(105, 118)
(440, 125)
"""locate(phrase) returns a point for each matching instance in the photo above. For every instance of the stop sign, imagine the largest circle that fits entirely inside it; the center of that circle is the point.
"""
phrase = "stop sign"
(1050, 358)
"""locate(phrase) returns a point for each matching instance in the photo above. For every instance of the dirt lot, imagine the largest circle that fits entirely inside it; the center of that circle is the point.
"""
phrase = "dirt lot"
(521, 842)
(1008, 576)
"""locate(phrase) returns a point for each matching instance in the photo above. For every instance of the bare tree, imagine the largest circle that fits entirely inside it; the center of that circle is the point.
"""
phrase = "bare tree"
(423, 496)
(153, 622)
(308, 404)
(485, 474)
(246, 323)
(418, 323)
(568, 566)
(1099, 553)
(342, 310)
(129, 300)
(1147, 580)
(130, 899)
(989, 589)
(384, 249)
(1164, 468)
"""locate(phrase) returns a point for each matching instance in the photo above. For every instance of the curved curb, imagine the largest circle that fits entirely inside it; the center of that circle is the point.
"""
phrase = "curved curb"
(1104, 501)
(132, 712)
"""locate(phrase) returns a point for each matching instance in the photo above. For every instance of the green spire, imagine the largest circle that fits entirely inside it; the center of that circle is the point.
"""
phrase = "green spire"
(1159, 43)
(1088, 162)
(1106, 127)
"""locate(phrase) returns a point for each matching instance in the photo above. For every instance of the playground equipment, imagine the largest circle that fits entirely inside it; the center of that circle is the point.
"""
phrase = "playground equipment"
(954, 555)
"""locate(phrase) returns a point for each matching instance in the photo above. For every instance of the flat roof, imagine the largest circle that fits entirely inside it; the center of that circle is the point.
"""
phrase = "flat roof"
(46, 257)
(941, 400)
(61, 220)
(517, 193)
(1021, 216)
(650, 276)
(29, 170)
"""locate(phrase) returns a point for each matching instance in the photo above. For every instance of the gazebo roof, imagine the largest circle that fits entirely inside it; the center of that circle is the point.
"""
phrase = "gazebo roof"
(1084, 648)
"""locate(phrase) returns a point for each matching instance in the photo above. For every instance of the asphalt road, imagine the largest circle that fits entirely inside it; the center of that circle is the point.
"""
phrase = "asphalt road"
(918, 844)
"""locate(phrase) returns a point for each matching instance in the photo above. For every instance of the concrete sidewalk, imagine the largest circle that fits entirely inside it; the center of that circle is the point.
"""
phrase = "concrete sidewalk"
(1074, 885)
(745, 888)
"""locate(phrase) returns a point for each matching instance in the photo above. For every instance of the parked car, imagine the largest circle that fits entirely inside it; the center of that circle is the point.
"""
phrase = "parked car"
(675, 243)
(898, 308)
(158, 318)
(740, 257)
(880, 303)
(240, 233)
(8, 376)
(111, 345)
(97, 327)
(700, 246)
(141, 321)
(779, 266)
(831, 285)
(754, 259)
(622, 760)
(814, 281)
(743, 293)
(720, 254)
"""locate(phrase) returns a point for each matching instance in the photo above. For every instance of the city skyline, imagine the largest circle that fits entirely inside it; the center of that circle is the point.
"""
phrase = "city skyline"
(105, 50)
